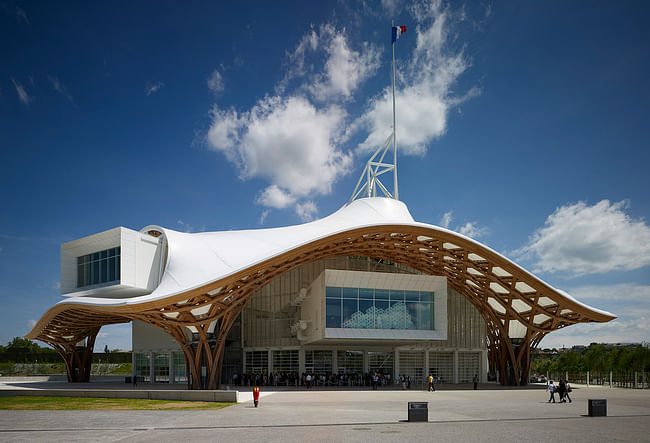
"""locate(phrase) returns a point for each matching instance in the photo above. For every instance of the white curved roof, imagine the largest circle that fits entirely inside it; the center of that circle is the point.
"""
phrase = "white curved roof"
(197, 259)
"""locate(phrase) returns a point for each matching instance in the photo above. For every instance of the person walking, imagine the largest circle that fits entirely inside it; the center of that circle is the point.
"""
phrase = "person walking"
(551, 388)
(431, 387)
(475, 380)
(561, 390)
(566, 394)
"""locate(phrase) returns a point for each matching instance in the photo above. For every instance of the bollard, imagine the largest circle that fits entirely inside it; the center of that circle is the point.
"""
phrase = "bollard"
(418, 411)
(256, 395)
(597, 407)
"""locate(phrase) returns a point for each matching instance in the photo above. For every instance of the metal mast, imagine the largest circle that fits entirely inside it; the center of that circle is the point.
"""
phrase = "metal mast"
(395, 190)
(376, 166)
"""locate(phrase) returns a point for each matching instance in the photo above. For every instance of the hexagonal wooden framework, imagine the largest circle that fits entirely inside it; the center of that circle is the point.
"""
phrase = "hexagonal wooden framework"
(518, 308)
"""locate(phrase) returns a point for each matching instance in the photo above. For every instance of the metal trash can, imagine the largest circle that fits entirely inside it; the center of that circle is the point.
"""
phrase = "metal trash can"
(597, 407)
(418, 411)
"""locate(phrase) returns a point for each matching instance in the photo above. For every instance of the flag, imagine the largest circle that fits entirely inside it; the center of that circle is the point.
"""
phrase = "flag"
(397, 31)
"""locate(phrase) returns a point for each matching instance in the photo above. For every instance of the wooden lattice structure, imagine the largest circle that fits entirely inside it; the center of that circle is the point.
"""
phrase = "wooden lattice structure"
(519, 309)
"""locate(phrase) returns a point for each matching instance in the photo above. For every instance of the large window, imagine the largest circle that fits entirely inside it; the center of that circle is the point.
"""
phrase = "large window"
(179, 367)
(365, 308)
(142, 366)
(98, 267)
(318, 362)
(257, 362)
(285, 361)
(161, 367)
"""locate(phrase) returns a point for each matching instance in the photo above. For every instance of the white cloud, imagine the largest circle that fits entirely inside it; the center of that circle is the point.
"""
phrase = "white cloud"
(115, 337)
(56, 285)
(582, 239)
(446, 220)
(60, 88)
(31, 323)
(390, 6)
(307, 210)
(424, 93)
(629, 302)
(23, 96)
(342, 71)
(153, 88)
(287, 141)
(215, 82)
(469, 229)
(274, 197)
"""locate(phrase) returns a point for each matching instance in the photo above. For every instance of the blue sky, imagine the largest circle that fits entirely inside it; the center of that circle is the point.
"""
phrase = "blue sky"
(525, 125)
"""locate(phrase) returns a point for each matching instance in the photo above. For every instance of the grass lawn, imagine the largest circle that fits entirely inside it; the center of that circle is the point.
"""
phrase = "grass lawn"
(65, 403)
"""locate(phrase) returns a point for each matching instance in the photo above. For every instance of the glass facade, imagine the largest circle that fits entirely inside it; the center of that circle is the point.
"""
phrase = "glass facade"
(366, 308)
(468, 365)
(441, 366)
(286, 361)
(257, 362)
(98, 267)
(143, 366)
(161, 367)
(318, 362)
(380, 362)
(350, 362)
(180, 367)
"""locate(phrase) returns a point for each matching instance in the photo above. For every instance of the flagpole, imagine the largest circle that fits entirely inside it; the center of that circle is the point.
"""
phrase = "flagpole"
(395, 190)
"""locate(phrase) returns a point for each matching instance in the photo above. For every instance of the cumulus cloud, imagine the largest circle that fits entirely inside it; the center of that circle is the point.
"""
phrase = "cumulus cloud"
(424, 92)
(60, 88)
(215, 82)
(469, 229)
(629, 302)
(153, 88)
(31, 323)
(343, 69)
(307, 210)
(288, 141)
(583, 239)
(23, 96)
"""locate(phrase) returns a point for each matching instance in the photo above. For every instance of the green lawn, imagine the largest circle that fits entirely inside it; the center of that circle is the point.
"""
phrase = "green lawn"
(66, 403)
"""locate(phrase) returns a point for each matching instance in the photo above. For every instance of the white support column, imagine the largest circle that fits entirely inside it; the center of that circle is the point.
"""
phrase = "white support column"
(484, 366)
(610, 379)
(269, 362)
(455, 367)
(335, 361)
(301, 362)
(366, 367)
(427, 366)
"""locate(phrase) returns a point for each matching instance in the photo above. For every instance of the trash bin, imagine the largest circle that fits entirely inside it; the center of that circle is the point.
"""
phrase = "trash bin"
(418, 411)
(597, 407)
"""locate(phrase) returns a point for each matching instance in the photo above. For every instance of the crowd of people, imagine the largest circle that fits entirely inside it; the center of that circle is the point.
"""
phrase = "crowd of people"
(308, 380)
(563, 388)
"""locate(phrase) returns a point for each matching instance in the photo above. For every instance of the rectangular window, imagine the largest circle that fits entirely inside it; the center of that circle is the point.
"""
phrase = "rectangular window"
(142, 367)
(98, 267)
(366, 308)
(180, 374)
(161, 367)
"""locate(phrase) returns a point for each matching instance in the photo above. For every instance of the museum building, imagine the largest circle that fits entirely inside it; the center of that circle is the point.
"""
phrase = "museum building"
(365, 290)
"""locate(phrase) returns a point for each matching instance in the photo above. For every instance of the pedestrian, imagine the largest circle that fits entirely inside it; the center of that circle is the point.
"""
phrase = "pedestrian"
(431, 387)
(561, 390)
(308, 378)
(551, 388)
(408, 382)
(475, 380)
(375, 381)
(566, 394)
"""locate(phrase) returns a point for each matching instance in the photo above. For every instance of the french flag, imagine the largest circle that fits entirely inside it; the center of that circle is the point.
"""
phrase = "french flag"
(397, 31)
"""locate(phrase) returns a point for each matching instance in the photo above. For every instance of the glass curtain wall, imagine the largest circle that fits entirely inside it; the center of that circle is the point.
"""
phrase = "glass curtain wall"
(257, 362)
(180, 368)
(286, 362)
(98, 267)
(468, 366)
(411, 363)
(143, 366)
(380, 362)
(318, 362)
(441, 366)
(365, 308)
(161, 367)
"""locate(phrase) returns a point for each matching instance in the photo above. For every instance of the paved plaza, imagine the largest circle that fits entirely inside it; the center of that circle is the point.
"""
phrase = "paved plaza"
(456, 413)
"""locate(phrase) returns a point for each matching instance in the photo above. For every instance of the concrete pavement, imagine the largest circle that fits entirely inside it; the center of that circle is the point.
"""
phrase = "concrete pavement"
(495, 414)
